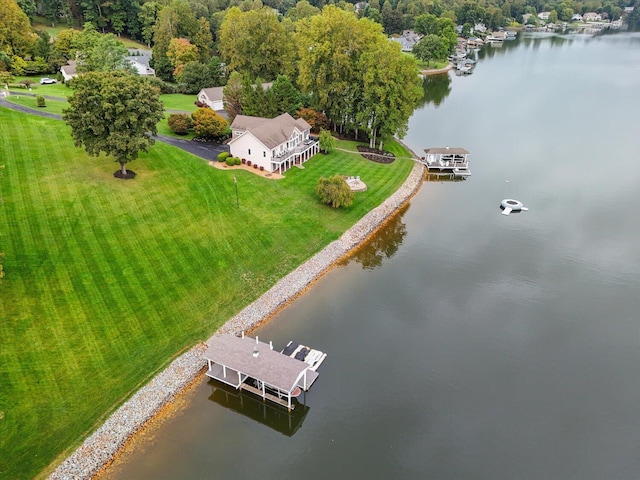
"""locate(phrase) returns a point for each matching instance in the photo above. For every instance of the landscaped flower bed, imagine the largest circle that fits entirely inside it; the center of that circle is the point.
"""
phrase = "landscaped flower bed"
(376, 155)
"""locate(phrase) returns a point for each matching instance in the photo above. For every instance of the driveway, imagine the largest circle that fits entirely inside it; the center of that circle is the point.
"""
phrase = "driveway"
(206, 150)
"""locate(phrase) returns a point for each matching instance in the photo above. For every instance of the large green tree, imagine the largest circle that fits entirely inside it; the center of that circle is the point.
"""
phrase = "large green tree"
(256, 43)
(16, 36)
(114, 113)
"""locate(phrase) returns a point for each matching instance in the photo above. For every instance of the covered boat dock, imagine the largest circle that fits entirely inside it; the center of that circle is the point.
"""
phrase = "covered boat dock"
(248, 364)
(453, 161)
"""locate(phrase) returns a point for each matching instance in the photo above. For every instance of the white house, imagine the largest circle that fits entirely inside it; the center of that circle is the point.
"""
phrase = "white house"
(139, 60)
(480, 27)
(576, 17)
(407, 41)
(544, 15)
(273, 143)
(214, 97)
(592, 17)
(68, 71)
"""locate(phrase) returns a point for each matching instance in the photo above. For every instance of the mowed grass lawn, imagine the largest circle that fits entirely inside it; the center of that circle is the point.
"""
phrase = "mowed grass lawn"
(107, 281)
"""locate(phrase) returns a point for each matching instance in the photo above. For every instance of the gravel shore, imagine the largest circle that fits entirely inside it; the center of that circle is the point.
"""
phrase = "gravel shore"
(99, 449)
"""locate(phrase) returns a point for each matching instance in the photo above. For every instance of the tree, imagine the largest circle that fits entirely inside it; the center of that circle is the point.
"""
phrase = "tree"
(334, 191)
(256, 43)
(203, 39)
(67, 41)
(302, 9)
(179, 123)
(114, 113)
(216, 71)
(327, 142)
(232, 95)
(285, 96)
(104, 54)
(553, 17)
(180, 52)
(16, 36)
(207, 123)
(318, 120)
(430, 48)
(147, 17)
(194, 77)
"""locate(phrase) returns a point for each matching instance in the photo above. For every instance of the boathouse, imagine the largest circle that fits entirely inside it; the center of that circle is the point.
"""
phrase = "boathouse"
(248, 364)
(453, 161)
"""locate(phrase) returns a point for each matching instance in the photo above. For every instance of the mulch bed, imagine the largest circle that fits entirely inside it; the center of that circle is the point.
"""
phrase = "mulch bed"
(128, 176)
(375, 155)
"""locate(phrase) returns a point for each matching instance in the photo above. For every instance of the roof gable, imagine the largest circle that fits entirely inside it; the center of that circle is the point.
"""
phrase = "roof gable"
(271, 132)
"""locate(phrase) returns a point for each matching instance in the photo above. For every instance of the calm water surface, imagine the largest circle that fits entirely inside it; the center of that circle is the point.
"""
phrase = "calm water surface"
(464, 344)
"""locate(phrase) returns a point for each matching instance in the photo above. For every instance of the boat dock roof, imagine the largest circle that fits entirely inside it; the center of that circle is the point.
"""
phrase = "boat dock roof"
(251, 358)
(446, 151)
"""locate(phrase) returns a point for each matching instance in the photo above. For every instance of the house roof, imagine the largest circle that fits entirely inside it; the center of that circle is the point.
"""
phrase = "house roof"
(447, 150)
(271, 132)
(214, 93)
(69, 68)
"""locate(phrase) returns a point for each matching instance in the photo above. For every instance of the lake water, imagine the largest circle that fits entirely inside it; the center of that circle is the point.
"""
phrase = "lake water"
(463, 343)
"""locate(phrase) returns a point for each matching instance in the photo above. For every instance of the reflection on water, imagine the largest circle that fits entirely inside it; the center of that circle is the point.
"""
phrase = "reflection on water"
(254, 408)
(383, 245)
(435, 89)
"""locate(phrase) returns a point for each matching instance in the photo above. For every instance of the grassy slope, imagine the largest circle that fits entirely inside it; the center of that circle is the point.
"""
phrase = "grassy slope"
(108, 280)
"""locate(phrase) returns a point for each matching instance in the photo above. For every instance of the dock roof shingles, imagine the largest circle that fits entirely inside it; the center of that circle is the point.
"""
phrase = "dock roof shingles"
(445, 151)
(269, 366)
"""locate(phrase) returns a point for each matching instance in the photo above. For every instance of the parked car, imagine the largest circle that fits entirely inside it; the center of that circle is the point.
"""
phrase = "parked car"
(46, 81)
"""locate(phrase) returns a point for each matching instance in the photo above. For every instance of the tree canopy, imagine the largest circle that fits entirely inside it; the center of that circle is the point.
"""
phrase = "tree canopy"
(114, 113)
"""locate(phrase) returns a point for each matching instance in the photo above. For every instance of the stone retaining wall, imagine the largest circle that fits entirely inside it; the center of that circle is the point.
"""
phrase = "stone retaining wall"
(100, 448)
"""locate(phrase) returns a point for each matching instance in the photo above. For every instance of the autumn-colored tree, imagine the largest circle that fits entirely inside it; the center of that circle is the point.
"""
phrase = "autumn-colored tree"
(180, 52)
(207, 123)
(318, 120)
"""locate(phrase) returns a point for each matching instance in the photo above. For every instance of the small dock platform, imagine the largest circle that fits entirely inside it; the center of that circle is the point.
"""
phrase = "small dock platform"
(254, 366)
(448, 160)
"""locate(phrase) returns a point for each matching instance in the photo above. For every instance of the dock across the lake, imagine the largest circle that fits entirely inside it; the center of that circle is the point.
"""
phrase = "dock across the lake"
(447, 160)
(249, 364)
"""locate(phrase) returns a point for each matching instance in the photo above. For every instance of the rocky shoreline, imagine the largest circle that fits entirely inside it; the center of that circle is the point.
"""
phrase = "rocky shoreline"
(99, 449)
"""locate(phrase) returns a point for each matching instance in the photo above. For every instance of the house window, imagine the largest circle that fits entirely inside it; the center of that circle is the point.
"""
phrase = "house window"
(264, 154)
(249, 150)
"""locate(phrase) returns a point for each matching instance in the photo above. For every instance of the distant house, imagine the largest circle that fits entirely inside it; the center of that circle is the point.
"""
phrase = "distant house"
(628, 9)
(407, 40)
(139, 60)
(480, 27)
(576, 17)
(68, 71)
(276, 144)
(544, 15)
(214, 97)
(591, 17)
(526, 17)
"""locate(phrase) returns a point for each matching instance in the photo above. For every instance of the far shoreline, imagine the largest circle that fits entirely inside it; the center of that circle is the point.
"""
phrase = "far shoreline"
(149, 403)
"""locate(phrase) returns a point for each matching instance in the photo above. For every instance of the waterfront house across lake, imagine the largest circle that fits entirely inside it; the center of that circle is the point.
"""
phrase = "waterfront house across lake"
(452, 161)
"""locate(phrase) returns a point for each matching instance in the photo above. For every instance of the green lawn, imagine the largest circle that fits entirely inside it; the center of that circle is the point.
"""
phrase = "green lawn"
(108, 280)
(179, 101)
(55, 89)
(52, 106)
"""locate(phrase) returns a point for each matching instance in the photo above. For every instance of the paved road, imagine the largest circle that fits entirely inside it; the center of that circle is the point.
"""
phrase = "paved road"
(206, 150)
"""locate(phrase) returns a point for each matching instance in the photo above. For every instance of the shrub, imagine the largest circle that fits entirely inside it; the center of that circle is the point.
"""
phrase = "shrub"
(231, 161)
(179, 123)
(255, 165)
(244, 161)
(40, 101)
(207, 123)
(199, 104)
(248, 163)
(261, 168)
(222, 156)
(161, 84)
(334, 191)
(238, 161)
